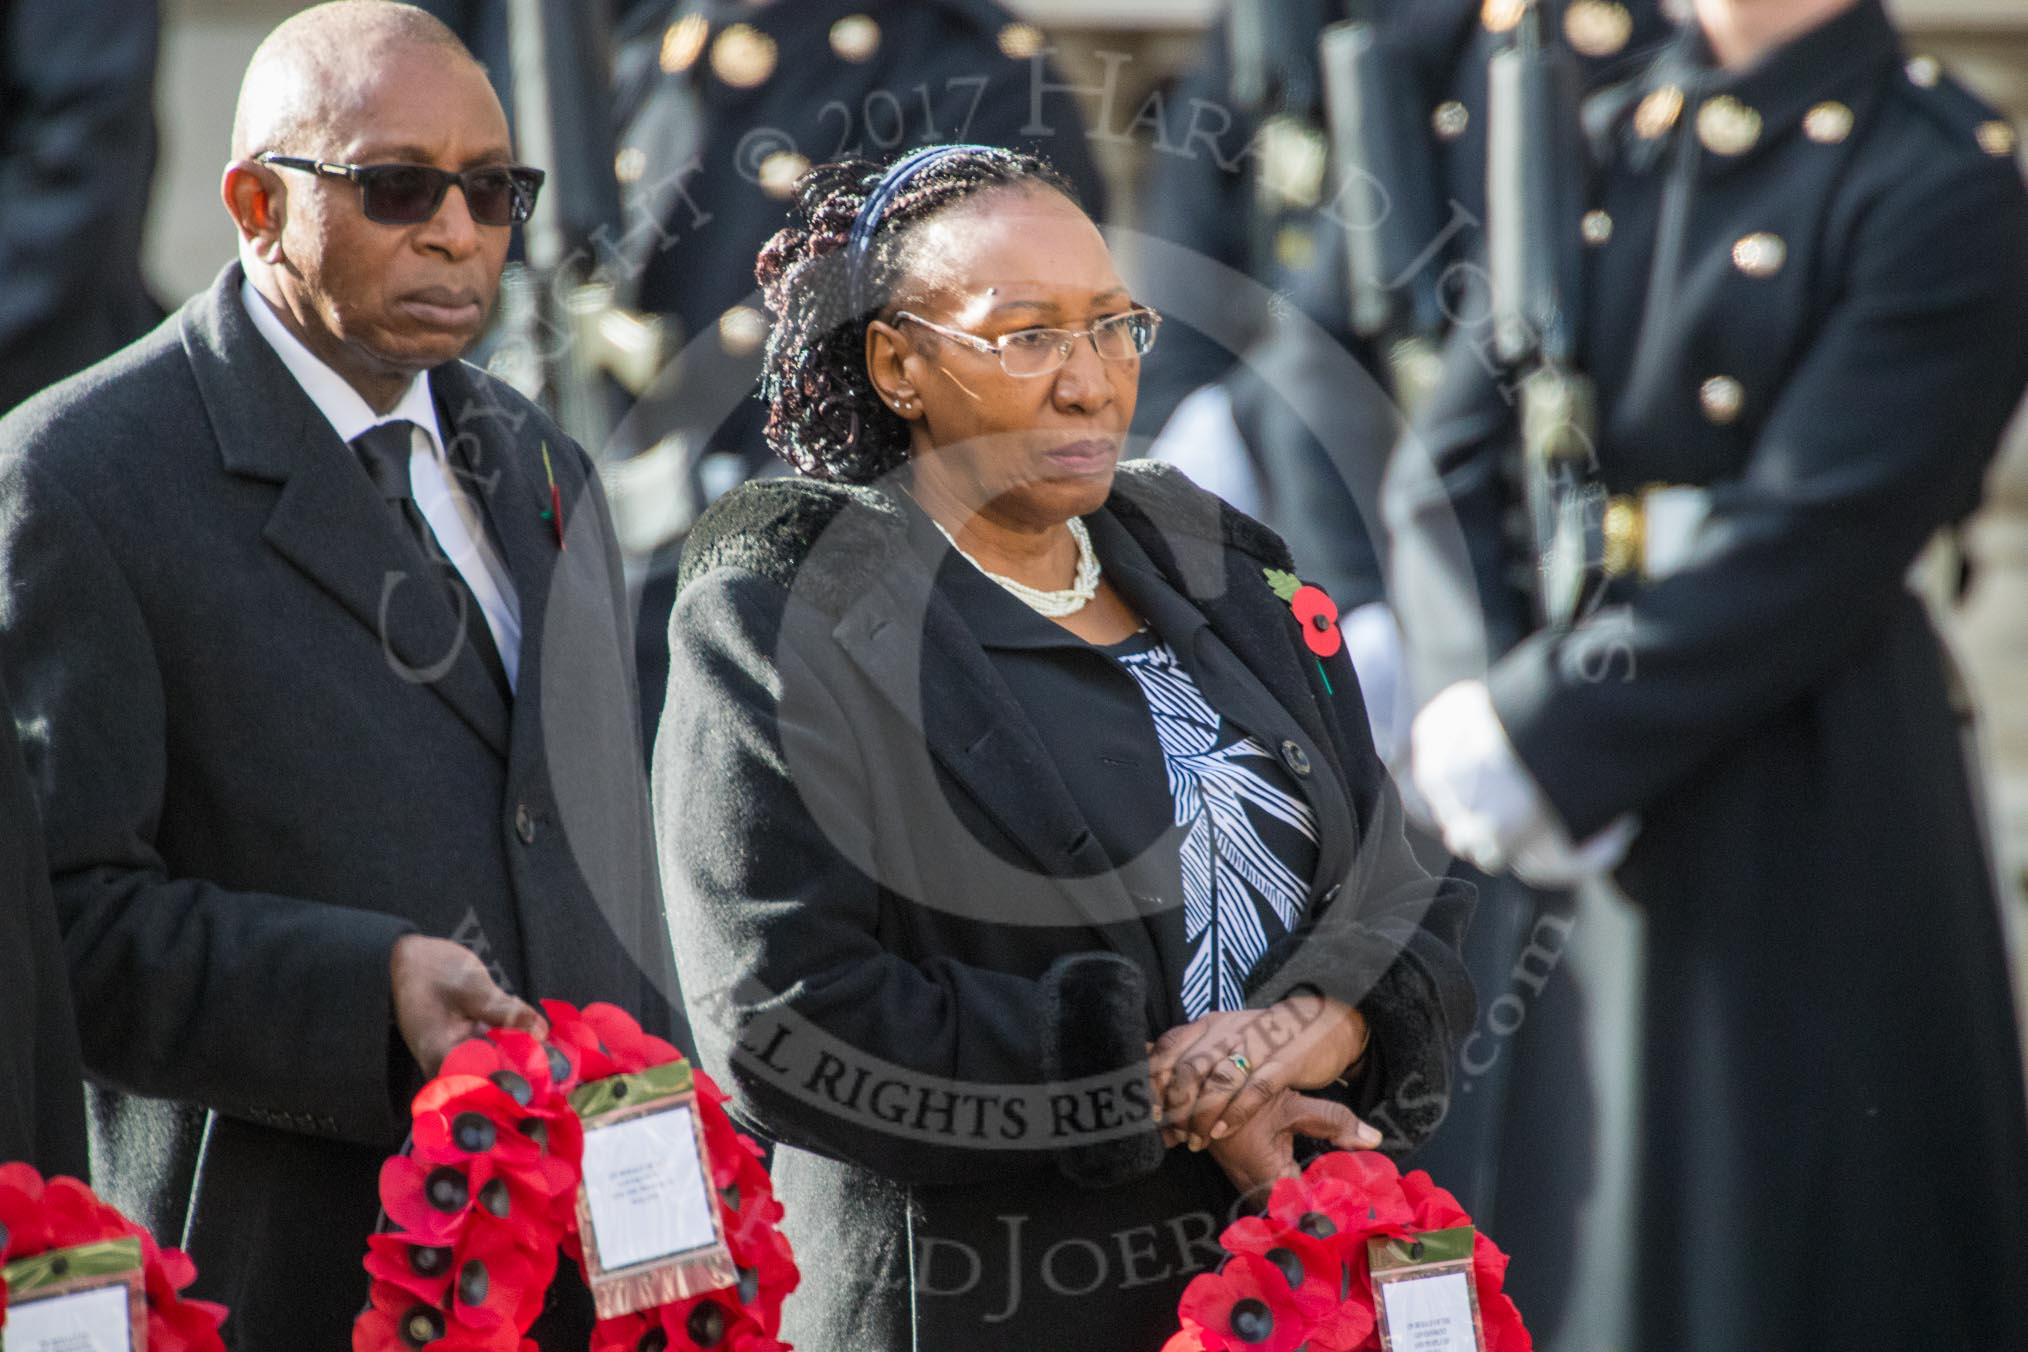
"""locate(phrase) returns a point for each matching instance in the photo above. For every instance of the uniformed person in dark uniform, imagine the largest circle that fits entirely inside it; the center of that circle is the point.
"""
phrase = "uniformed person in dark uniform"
(1806, 313)
(1521, 1144)
(721, 106)
(77, 151)
(1245, 184)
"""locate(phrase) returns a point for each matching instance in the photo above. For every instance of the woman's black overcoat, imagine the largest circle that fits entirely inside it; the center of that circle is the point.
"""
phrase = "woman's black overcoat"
(912, 965)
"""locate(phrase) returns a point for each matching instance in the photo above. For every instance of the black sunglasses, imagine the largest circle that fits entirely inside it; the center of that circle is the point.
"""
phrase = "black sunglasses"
(409, 194)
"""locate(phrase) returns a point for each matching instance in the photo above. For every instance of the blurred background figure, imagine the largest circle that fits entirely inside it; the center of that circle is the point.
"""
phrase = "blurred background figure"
(77, 155)
(1760, 319)
(1357, 233)
(1282, 161)
(718, 106)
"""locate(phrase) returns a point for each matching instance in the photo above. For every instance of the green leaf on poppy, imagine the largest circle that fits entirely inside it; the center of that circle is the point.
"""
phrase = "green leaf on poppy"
(1285, 585)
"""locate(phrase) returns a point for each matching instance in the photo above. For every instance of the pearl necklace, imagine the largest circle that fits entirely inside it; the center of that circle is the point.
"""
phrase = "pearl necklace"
(1054, 604)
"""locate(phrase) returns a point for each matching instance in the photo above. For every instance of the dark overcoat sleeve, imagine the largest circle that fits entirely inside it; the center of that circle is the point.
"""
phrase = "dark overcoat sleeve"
(270, 1007)
(774, 920)
(1880, 436)
(41, 1080)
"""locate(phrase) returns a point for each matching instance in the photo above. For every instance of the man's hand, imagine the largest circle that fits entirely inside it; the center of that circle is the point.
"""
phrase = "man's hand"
(1303, 1042)
(1263, 1150)
(443, 996)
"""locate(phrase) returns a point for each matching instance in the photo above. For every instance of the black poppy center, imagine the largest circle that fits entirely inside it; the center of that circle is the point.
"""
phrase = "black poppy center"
(472, 1133)
(447, 1189)
(473, 1283)
(1320, 621)
(513, 1086)
(421, 1326)
(494, 1197)
(1252, 1321)
(749, 1286)
(426, 1260)
(730, 1194)
(1317, 1225)
(535, 1130)
(1290, 1265)
(707, 1324)
(654, 1340)
(559, 1064)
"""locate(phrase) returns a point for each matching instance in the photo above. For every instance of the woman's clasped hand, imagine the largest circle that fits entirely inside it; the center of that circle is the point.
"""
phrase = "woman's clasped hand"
(1232, 1082)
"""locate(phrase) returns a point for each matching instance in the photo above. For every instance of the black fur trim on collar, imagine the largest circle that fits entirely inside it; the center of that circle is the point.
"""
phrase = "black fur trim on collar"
(770, 526)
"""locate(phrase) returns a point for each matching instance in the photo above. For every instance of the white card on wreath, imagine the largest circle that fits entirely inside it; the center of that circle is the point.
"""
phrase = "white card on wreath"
(1431, 1314)
(644, 1185)
(96, 1320)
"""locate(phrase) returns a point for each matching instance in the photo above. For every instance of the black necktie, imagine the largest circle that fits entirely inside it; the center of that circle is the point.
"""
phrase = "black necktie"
(384, 453)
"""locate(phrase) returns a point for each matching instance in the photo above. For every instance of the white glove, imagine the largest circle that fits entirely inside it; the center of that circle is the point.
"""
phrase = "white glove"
(1488, 808)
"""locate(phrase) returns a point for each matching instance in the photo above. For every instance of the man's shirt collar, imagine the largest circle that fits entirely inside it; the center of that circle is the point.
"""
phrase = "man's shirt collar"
(344, 407)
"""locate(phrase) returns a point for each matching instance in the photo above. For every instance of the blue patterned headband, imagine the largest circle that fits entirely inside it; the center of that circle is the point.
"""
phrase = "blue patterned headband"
(898, 176)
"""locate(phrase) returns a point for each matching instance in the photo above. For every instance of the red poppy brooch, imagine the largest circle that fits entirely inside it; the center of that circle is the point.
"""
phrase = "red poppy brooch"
(1316, 614)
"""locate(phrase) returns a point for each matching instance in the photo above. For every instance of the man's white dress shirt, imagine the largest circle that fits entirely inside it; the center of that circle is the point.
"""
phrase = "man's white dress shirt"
(451, 513)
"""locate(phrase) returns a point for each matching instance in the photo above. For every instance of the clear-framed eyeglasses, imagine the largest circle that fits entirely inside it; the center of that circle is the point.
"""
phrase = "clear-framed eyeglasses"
(1037, 352)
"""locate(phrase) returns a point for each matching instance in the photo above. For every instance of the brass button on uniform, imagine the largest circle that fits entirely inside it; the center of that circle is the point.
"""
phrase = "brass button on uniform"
(1597, 27)
(1721, 398)
(1924, 71)
(742, 330)
(1295, 247)
(1727, 127)
(1450, 119)
(1296, 759)
(630, 164)
(856, 37)
(1760, 254)
(1500, 15)
(743, 56)
(1997, 138)
(1828, 123)
(1019, 41)
(1658, 112)
(1597, 227)
(683, 43)
(524, 824)
(780, 172)
(1625, 530)
(1294, 158)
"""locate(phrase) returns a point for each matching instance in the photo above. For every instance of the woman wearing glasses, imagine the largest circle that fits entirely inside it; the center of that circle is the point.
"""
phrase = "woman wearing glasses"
(1003, 797)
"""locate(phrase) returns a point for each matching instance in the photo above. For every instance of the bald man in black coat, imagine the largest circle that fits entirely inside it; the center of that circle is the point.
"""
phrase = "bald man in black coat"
(335, 736)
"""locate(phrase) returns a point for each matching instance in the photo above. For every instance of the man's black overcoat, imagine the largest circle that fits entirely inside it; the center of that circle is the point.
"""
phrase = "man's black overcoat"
(264, 753)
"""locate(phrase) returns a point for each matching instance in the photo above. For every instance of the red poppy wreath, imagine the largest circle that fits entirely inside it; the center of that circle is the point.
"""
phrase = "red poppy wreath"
(491, 1193)
(57, 1240)
(1303, 1275)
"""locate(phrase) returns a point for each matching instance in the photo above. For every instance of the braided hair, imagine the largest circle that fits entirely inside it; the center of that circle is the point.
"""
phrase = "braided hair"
(824, 416)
